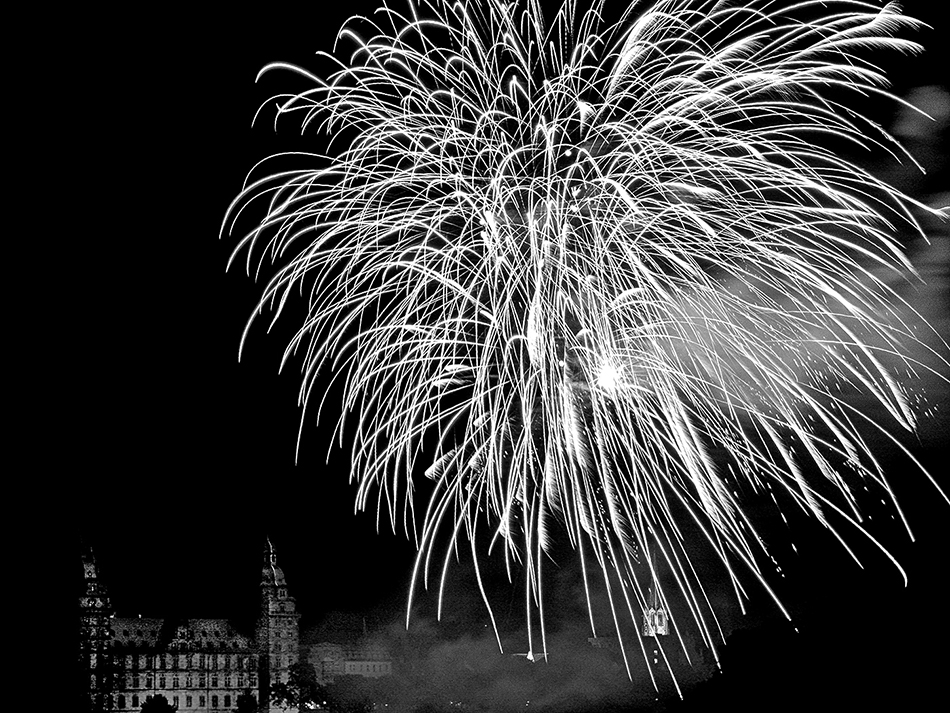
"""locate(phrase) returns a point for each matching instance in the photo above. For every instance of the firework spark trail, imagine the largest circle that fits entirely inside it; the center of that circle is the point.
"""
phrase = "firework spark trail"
(564, 260)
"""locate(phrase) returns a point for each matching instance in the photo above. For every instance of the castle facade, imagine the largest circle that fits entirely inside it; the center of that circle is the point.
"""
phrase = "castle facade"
(198, 665)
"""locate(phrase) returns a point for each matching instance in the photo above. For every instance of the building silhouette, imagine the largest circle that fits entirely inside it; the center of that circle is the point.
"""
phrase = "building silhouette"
(196, 664)
(331, 660)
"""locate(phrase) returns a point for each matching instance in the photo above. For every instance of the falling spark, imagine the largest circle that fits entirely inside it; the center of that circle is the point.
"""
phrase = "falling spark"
(595, 278)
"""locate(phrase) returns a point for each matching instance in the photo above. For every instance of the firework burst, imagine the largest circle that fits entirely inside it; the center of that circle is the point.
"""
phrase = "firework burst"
(592, 276)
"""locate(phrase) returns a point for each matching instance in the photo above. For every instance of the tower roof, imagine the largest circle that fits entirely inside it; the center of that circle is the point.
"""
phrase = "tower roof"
(271, 575)
(88, 562)
(95, 596)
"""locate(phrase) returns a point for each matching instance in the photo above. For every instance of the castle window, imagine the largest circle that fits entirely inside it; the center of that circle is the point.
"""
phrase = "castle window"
(201, 701)
(121, 701)
(188, 682)
(175, 701)
(201, 682)
(175, 682)
(161, 682)
(214, 681)
(227, 701)
(214, 701)
(136, 682)
(189, 701)
(227, 681)
(135, 701)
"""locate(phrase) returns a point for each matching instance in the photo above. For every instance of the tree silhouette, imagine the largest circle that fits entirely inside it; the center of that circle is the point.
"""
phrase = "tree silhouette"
(301, 690)
(157, 704)
(246, 703)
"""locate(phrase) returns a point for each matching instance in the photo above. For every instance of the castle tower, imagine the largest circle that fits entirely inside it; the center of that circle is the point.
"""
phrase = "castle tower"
(96, 637)
(278, 630)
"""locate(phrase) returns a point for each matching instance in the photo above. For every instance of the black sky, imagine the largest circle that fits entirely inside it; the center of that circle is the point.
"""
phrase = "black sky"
(188, 458)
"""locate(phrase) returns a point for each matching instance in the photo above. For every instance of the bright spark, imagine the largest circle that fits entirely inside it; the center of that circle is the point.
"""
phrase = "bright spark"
(609, 377)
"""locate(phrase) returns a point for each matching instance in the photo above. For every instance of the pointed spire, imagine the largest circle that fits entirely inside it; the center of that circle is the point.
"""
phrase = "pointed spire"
(88, 562)
(271, 575)
(95, 595)
(89, 570)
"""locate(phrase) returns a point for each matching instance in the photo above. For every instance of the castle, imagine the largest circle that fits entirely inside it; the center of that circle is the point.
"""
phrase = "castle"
(196, 664)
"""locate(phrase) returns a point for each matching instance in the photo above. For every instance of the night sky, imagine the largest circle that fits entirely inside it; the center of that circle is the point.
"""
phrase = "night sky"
(185, 459)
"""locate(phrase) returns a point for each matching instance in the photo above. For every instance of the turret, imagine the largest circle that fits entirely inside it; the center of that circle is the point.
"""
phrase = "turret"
(96, 636)
(278, 630)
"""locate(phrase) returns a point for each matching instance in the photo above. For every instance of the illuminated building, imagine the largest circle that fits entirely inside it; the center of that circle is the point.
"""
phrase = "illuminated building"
(330, 660)
(196, 664)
